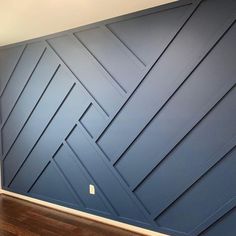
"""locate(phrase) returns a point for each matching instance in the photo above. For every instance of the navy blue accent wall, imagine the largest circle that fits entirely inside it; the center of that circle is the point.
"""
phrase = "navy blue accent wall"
(142, 106)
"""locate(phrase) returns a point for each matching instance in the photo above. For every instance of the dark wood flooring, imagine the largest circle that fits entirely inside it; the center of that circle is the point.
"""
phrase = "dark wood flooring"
(18, 217)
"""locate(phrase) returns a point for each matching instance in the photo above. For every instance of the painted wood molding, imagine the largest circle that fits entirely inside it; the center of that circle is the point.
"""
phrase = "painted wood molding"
(103, 220)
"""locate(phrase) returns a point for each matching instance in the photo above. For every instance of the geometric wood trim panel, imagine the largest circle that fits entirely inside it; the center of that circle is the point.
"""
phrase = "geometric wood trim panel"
(140, 106)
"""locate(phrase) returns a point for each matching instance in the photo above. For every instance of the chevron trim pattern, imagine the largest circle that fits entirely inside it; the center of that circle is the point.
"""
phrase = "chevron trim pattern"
(142, 106)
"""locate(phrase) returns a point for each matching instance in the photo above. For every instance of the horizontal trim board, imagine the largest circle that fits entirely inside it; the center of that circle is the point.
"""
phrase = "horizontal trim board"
(83, 214)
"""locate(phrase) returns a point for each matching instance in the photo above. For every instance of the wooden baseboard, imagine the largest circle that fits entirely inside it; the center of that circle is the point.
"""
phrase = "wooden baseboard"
(83, 214)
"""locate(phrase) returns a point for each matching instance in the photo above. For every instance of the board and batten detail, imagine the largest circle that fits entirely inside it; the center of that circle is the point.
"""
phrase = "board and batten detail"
(139, 111)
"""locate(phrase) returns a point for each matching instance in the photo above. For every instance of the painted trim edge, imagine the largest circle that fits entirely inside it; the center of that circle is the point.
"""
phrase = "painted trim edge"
(100, 219)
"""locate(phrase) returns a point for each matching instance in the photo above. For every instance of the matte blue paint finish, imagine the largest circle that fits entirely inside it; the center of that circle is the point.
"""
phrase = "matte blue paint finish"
(102, 176)
(142, 106)
(170, 71)
(74, 172)
(23, 71)
(52, 185)
(11, 55)
(34, 89)
(201, 194)
(219, 228)
(219, 129)
(183, 111)
(93, 121)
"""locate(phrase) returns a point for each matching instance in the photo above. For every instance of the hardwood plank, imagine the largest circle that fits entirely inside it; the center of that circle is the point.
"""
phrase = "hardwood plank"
(18, 217)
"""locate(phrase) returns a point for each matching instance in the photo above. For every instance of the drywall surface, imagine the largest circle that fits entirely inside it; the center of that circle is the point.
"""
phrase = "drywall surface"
(27, 19)
(132, 119)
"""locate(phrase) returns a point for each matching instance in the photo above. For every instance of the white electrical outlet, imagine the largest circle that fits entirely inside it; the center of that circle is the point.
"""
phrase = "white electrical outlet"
(91, 189)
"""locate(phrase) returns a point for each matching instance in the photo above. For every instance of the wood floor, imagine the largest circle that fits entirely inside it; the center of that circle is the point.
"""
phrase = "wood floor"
(18, 217)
